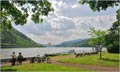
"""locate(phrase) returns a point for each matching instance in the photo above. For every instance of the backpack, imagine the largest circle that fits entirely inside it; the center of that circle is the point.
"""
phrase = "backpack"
(20, 58)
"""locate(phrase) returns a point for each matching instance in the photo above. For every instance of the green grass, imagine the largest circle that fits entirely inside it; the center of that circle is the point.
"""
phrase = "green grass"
(107, 60)
(40, 67)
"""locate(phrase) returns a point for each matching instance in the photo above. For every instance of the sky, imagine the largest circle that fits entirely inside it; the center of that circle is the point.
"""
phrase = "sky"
(69, 21)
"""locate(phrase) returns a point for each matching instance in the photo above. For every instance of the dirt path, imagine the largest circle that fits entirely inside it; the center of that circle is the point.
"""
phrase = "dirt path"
(89, 67)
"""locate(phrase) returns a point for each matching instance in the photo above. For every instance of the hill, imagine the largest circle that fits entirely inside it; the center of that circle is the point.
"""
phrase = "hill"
(74, 43)
(82, 43)
(13, 38)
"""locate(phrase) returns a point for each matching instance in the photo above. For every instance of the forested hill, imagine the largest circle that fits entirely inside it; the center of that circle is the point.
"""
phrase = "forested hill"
(13, 38)
(74, 43)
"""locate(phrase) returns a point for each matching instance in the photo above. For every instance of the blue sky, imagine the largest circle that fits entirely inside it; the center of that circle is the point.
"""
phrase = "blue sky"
(69, 21)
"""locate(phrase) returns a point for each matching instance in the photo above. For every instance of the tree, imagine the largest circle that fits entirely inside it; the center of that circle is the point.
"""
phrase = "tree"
(112, 38)
(98, 5)
(17, 11)
(97, 39)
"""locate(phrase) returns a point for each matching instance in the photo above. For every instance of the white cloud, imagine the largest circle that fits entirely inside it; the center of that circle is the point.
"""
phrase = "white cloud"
(59, 22)
(99, 22)
(75, 6)
(60, 28)
(69, 21)
(58, 5)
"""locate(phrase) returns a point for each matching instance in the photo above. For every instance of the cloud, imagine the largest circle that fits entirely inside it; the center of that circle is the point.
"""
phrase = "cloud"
(69, 21)
(61, 23)
(56, 28)
(58, 4)
(73, 8)
(99, 22)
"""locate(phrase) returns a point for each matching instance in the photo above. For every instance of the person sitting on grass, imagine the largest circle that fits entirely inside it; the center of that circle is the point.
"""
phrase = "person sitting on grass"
(20, 58)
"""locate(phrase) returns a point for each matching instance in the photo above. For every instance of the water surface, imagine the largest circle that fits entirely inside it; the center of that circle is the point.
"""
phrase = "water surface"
(30, 52)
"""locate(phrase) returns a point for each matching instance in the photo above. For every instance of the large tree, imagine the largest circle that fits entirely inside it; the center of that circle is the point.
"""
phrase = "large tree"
(17, 11)
(112, 38)
(97, 39)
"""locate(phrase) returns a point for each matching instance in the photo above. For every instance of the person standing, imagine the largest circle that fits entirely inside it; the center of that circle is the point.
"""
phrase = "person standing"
(13, 58)
(20, 58)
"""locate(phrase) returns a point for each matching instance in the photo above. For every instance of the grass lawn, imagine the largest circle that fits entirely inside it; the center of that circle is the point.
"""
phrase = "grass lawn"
(108, 59)
(41, 67)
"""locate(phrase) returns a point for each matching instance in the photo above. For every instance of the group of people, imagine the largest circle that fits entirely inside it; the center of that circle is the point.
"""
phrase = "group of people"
(17, 59)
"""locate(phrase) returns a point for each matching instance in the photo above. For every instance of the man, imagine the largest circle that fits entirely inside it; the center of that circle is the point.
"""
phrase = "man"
(13, 58)
(20, 58)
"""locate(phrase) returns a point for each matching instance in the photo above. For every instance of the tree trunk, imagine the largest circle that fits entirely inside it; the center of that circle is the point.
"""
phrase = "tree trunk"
(100, 55)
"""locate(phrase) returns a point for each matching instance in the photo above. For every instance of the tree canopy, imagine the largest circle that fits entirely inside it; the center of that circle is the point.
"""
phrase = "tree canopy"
(112, 38)
(17, 11)
(98, 5)
(97, 37)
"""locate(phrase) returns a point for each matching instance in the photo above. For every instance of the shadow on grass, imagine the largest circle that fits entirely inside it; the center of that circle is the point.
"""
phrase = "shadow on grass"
(8, 70)
(107, 59)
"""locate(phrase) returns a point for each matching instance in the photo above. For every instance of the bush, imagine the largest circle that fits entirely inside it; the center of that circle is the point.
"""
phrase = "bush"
(113, 48)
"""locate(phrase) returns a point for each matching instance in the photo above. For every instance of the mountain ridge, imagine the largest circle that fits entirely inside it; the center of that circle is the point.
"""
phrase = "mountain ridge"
(13, 38)
(74, 43)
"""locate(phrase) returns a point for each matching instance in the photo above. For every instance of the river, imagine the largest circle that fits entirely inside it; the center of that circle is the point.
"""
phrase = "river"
(31, 52)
